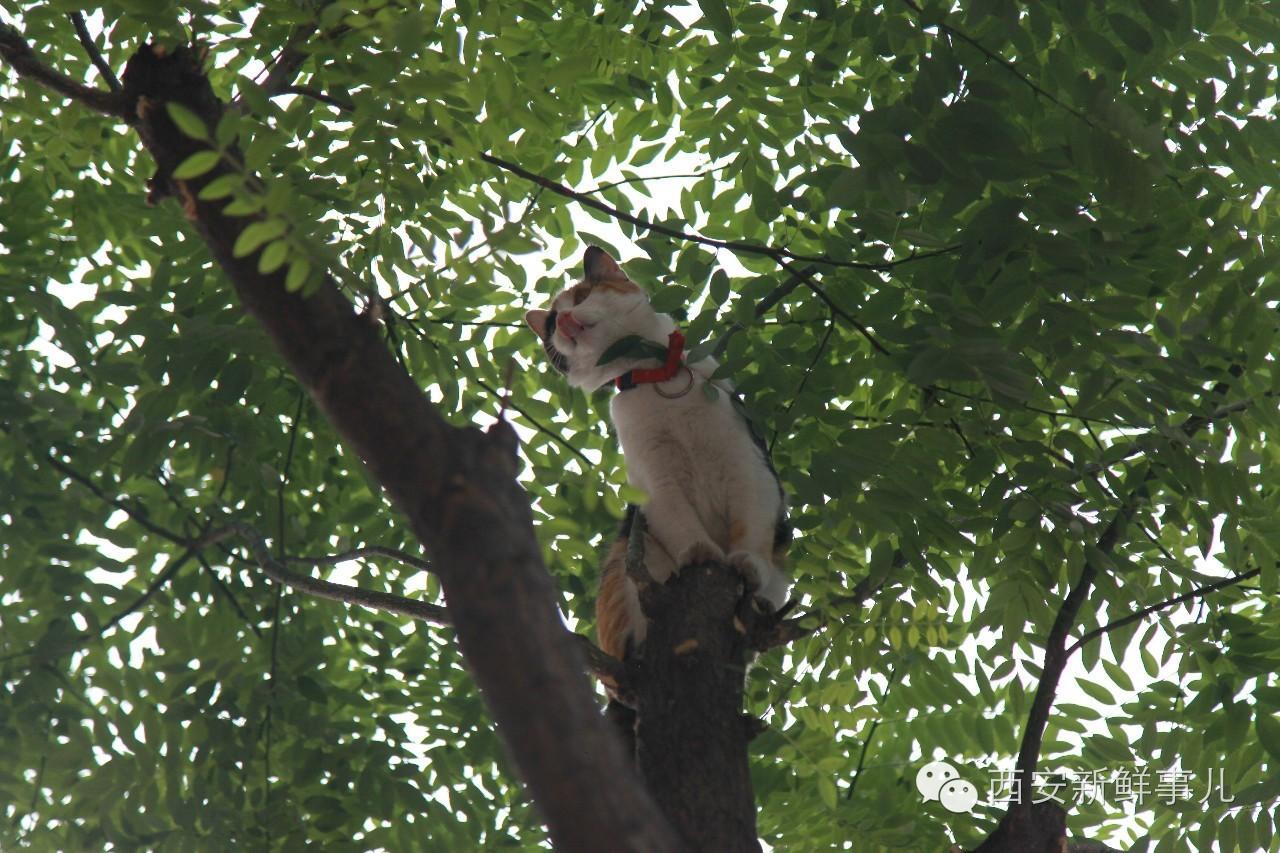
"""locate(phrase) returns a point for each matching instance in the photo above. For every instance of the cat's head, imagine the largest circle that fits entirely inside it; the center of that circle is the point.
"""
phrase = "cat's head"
(581, 322)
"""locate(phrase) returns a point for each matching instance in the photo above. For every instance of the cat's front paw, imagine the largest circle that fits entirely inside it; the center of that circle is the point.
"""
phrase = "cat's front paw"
(751, 567)
(700, 553)
(767, 585)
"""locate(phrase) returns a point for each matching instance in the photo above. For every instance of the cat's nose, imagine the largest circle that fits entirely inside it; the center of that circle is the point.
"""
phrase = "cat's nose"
(568, 325)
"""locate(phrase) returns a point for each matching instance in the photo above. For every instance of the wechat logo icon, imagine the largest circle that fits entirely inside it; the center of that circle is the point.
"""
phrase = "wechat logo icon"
(939, 781)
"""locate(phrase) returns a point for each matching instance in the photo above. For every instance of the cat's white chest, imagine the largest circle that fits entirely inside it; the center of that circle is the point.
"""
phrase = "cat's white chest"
(698, 453)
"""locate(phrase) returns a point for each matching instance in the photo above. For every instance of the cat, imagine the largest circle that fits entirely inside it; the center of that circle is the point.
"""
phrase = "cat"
(713, 492)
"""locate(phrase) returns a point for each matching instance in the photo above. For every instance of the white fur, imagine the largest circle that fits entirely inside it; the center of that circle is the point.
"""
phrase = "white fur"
(693, 456)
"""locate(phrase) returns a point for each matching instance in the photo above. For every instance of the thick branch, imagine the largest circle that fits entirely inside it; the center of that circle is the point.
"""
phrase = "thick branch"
(458, 490)
(1055, 653)
(15, 51)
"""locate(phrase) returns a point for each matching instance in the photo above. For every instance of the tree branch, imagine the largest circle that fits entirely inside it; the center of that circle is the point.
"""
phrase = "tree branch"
(1138, 615)
(367, 551)
(316, 95)
(603, 666)
(1001, 61)
(95, 55)
(289, 60)
(15, 51)
(640, 179)
(193, 548)
(804, 380)
(845, 315)
(344, 593)
(871, 732)
(136, 517)
(457, 488)
(776, 252)
(1019, 822)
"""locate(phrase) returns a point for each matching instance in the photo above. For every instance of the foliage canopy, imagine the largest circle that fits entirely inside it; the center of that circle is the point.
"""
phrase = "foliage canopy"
(1028, 358)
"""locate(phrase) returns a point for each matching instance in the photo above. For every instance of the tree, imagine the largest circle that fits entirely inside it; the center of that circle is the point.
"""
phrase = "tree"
(997, 281)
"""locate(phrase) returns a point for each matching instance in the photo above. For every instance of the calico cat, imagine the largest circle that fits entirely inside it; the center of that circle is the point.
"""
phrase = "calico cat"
(713, 494)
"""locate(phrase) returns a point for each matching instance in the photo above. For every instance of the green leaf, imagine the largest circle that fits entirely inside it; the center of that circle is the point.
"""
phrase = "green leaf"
(716, 13)
(299, 270)
(196, 165)
(827, 790)
(257, 233)
(187, 121)
(632, 346)
(1268, 728)
(220, 187)
(1133, 34)
(273, 257)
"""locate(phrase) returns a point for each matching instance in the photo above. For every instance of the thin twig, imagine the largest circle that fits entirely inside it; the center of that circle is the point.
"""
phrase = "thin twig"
(267, 722)
(837, 310)
(1138, 615)
(639, 179)
(359, 553)
(739, 246)
(164, 577)
(1001, 61)
(284, 67)
(537, 425)
(804, 380)
(220, 585)
(95, 55)
(138, 518)
(770, 299)
(344, 593)
(871, 733)
(782, 291)
(599, 664)
(317, 95)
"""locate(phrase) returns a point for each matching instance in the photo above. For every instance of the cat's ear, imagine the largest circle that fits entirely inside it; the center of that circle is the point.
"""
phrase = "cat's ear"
(598, 266)
(537, 320)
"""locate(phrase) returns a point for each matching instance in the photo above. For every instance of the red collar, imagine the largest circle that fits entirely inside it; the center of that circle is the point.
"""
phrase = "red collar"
(675, 359)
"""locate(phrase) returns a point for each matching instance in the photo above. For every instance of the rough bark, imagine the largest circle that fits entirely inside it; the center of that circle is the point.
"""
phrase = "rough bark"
(457, 488)
(691, 737)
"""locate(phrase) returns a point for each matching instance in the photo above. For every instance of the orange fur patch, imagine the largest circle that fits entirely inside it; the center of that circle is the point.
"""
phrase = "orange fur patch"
(737, 530)
(613, 622)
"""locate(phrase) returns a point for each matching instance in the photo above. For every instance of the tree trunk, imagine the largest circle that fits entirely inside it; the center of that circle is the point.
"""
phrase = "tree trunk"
(691, 736)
